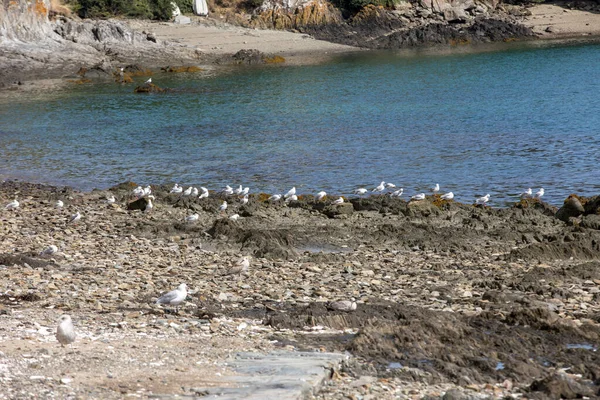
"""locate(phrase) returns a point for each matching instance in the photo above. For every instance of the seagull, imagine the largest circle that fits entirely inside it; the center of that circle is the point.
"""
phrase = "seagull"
(239, 190)
(390, 185)
(187, 192)
(342, 305)
(539, 193)
(483, 200)
(49, 250)
(138, 191)
(380, 188)
(436, 188)
(361, 191)
(110, 199)
(234, 217)
(244, 200)
(194, 191)
(240, 267)
(147, 191)
(149, 81)
(420, 196)
(291, 198)
(59, 204)
(174, 297)
(12, 205)
(338, 201)
(290, 193)
(245, 191)
(176, 189)
(65, 333)
(74, 218)
(192, 218)
(149, 206)
(203, 195)
(228, 190)
(203, 189)
(320, 195)
(223, 207)
(527, 193)
(447, 196)
(274, 198)
(397, 193)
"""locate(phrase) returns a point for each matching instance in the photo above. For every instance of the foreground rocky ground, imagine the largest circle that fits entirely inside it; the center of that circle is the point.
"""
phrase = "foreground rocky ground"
(453, 300)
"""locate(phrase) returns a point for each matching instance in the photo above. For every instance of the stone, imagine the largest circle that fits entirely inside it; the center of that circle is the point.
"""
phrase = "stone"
(572, 207)
(455, 15)
(182, 20)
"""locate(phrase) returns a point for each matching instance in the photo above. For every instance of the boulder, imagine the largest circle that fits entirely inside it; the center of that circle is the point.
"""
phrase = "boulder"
(182, 20)
(455, 15)
(139, 204)
(335, 210)
(591, 221)
(572, 208)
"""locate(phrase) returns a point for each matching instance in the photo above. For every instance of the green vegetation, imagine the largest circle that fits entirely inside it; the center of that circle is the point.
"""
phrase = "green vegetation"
(151, 9)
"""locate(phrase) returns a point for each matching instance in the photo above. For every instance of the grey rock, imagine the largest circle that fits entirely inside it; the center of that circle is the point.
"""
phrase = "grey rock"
(571, 208)
(455, 14)
(182, 20)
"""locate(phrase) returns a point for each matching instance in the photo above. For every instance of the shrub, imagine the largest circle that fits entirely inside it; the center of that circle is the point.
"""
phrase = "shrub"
(156, 9)
(186, 6)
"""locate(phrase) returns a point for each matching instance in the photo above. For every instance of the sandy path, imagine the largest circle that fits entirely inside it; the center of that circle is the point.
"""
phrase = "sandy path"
(215, 37)
(562, 22)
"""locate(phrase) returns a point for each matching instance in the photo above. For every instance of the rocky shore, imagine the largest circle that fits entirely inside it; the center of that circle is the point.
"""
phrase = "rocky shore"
(452, 300)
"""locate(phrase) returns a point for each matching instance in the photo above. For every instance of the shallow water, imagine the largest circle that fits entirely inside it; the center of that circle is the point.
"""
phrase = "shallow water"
(495, 122)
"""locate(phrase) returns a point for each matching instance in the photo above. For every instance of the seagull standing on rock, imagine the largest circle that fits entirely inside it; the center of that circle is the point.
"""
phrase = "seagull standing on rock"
(241, 267)
(380, 188)
(360, 191)
(59, 204)
(244, 200)
(65, 333)
(49, 250)
(110, 199)
(149, 81)
(149, 206)
(397, 193)
(321, 195)
(539, 193)
(223, 207)
(188, 192)
(194, 191)
(527, 193)
(436, 188)
(13, 205)
(338, 201)
(420, 196)
(234, 217)
(192, 218)
(245, 191)
(291, 198)
(274, 198)
(74, 218)
(176, 189)
(174, 297)
(290, 193)
(447, 196)
(483, 200)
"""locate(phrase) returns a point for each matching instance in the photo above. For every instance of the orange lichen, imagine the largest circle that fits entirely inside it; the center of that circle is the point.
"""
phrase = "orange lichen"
(40, 8)
(262, 197)
(140, 72)
(274, 60)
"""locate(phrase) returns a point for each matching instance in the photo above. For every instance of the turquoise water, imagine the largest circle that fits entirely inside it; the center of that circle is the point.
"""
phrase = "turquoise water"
(495, 122)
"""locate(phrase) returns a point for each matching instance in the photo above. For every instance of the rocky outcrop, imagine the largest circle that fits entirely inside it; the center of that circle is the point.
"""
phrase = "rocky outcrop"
(275, 16)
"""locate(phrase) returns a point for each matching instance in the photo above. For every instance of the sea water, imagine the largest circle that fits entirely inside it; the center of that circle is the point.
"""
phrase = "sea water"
(476, 123)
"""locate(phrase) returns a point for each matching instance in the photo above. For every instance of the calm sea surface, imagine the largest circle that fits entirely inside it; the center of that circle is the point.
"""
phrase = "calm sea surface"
(495, 122)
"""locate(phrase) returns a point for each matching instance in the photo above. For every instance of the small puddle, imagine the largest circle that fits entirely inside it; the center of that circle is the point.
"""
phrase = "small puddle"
(584, 346)
(394, 365)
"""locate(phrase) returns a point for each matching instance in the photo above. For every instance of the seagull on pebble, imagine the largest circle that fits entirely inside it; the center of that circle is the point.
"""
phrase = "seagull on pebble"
(174, 297)
(74, 218)
(234, 217)
(321, 195)
(149, 206)
(527, 193)
(110, 199)
(420, 196)
(397, 193)
(274, 198)
(223, 207)
(13, 205)
(291, 192)
(436, 188)
(539, 193)
(245, 191)
(48, 251)
(176, 189)
(244, 200)
(138, 191)
(59, 204)
(240, 267)
(204, 195)
(194, 191)
(291, 198)
(360, 191)
(147, 191)
(228, 190)
(187, 192)
(149, 81)
(65, 333)
(483, 200)
(390, 185)
(380, 188)
(338, 201)
(447, 196)
(192, 218)
(239, 190)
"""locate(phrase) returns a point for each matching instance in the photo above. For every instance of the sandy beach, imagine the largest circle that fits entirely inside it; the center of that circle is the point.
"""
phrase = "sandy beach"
(554, 21)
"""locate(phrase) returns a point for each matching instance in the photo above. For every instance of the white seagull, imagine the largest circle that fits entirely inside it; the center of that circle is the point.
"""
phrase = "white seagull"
(149, 81)
(397, 193)
(203, 195)
(110, 199)
(244, 200)
(527, 193)
(228, 190)
(138, 191)
(380, 188)
(192, 218)
(174, 297)
(338, 201)
(447, 196)
(320, 195)
(147, 191)
(539, 193)
(483, 200)
(390, 185)
(12, 205)
(239, 190)
(187, 192)
(194, 191)
(176, 189)
(234, 217)
(420, 196)
(274, 198)
(240, 267)
(436, 188)
(48, 251)
(59, 204)
(65, 333)
(245, 191)
(149, 206)
(361, 191)
(223, 207)
(74, 218)
(291, 198)
(291, 192)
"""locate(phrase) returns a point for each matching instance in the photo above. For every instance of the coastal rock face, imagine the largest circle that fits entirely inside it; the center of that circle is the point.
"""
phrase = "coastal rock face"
(295, 14)
(24, 20)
